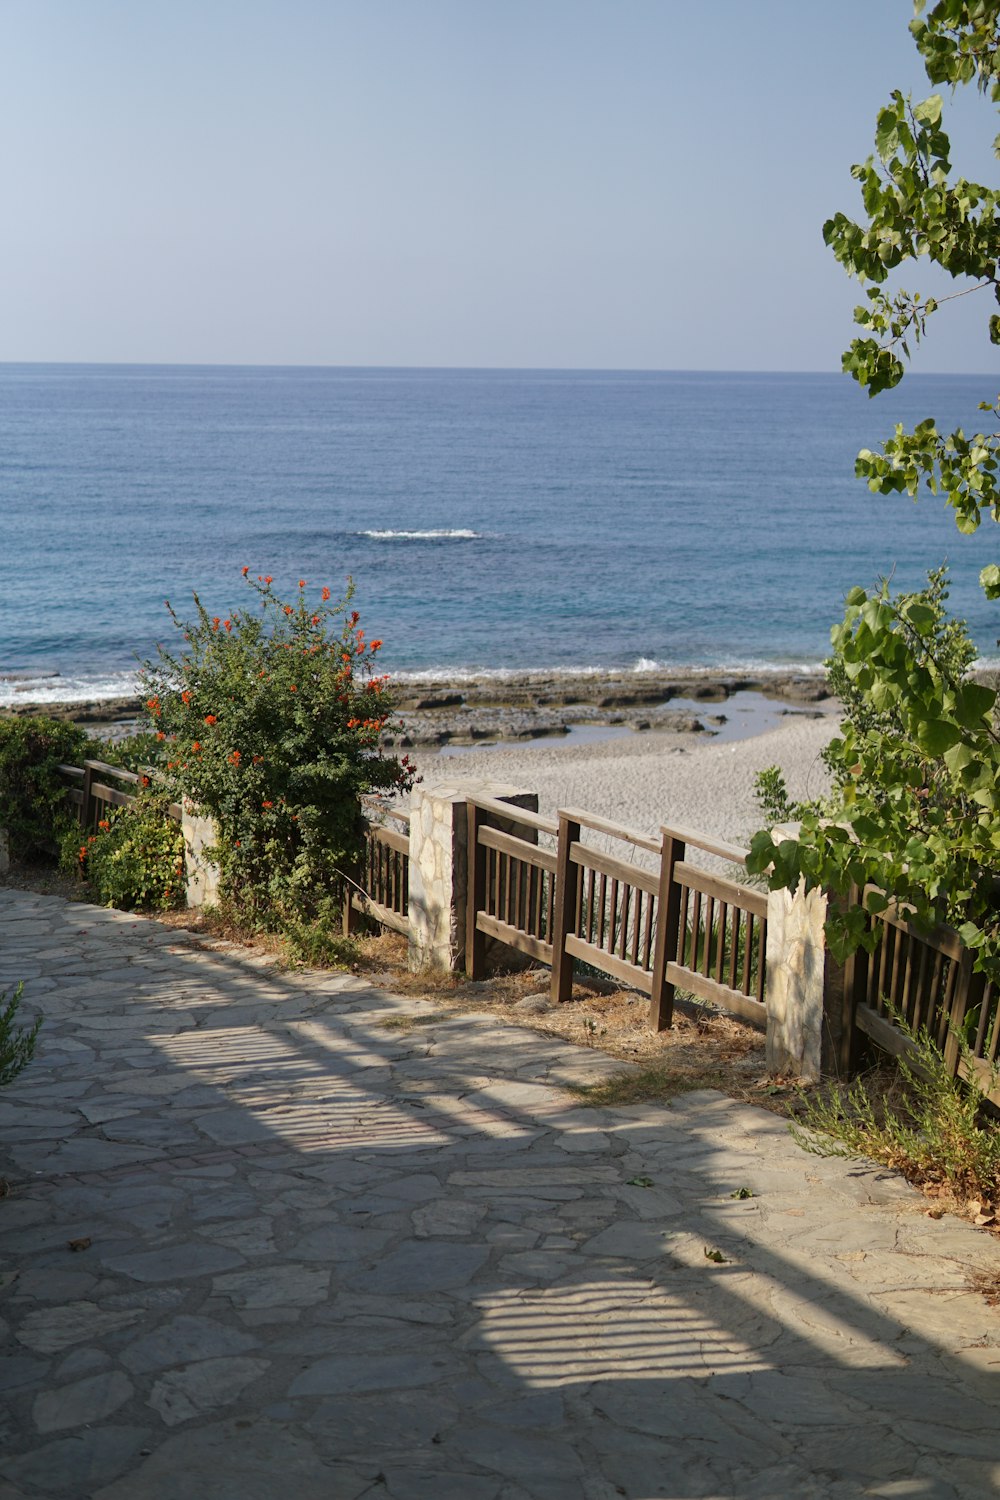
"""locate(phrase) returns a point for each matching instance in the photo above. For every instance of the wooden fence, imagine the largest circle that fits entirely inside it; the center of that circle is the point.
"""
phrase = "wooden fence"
(95, 788)
(927, 979)
(660, 926)
(674, 926)
(382, 891)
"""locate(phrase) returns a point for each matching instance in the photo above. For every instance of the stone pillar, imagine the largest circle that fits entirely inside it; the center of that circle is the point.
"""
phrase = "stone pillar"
(796, 983)
(810, 1019)
(202, 872)
(439, 866)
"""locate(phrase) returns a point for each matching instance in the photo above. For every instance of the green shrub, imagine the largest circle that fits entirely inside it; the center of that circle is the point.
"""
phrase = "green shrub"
(33, 808)
(17, 1043)
(135, 861)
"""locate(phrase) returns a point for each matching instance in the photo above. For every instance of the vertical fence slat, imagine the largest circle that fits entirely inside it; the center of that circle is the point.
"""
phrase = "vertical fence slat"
(567, 910)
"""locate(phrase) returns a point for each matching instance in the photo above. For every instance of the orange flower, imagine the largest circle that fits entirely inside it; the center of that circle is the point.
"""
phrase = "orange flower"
(302, 583)
(326, 594)
(268, 578)
(211, 719)
(103, 823)
(353, 723)
(235, 757)
(228, 624)
(355, 617)
(196, 747)
(153, 704)
(375, 645)
(267, 804)
(315, 619)
(185, 697)
(216, 622)
(288, 609)
(292, 688)
(160, 735)
(245, 571)
(144, 781)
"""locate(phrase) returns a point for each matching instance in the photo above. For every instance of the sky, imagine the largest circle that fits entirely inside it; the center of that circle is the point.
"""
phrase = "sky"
(631, 184)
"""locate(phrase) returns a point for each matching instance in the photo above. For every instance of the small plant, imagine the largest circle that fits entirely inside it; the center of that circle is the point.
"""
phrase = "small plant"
(716, 1256)
(318, 942)
(591, 1031)
(934, 1134)
(743, 1192)
(772, 797)
(17, 1043)
(136, 859)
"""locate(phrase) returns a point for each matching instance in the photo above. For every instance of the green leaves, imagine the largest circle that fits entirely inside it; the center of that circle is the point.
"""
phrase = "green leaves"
(915, 210)
(915, 810)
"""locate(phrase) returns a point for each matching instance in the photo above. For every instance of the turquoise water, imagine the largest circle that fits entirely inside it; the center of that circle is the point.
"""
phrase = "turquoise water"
(491, 519)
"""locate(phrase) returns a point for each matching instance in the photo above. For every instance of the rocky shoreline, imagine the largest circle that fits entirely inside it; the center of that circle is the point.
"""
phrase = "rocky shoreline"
(531, 705)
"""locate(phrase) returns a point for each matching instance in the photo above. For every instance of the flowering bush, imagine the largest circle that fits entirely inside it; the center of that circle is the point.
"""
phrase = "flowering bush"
(270, 721)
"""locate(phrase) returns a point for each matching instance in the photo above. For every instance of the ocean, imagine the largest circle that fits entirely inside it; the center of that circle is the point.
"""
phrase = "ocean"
(501, 520)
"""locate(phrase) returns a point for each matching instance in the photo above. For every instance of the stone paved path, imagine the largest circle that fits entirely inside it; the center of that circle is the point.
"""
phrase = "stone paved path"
(327, 1255)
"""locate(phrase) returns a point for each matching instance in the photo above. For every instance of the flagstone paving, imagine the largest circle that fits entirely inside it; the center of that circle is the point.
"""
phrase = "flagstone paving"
(258, 1243)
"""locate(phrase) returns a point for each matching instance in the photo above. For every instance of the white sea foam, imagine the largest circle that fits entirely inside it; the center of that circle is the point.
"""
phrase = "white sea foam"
(452, 534)
(644, 664)
(74, 688)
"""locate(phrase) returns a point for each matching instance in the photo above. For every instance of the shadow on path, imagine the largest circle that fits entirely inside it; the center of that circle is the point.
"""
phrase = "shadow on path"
(349, 1259)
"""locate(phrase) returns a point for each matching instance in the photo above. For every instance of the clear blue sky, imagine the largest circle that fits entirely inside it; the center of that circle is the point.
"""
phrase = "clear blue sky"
(595, 183)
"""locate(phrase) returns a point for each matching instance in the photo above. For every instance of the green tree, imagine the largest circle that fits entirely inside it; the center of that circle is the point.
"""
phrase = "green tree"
(916, 769)
(917, 209)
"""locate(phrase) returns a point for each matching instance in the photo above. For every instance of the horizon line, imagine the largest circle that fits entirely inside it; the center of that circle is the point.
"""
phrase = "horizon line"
(455, 369)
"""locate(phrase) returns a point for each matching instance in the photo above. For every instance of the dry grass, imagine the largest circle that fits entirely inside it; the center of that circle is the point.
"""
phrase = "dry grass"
(703, 1049)
(986, 1281)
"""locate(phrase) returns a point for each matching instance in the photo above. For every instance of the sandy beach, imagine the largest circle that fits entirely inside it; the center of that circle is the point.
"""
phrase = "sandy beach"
(646, 780)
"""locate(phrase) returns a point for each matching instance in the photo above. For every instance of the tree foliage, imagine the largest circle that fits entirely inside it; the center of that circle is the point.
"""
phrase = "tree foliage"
(915, 809)
(917, 209)
(915, 806)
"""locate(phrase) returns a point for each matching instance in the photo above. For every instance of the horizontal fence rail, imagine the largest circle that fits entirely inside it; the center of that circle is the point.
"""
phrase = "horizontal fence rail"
(657, 931)
(927, 980)
(511, 881)
(95, 789)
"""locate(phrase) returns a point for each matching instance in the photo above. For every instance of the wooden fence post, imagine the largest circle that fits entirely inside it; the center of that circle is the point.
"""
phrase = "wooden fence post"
(840, 1045)
(87, 805)
(668, 917)
(968, 993)
(567, 878)
(475, 941)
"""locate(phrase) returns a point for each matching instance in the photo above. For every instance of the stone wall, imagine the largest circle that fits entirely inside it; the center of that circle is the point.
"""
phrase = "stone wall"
(202, 872)
(439, 866)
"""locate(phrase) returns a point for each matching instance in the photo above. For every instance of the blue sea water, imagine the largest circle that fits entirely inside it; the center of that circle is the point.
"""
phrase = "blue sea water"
(494, 519)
